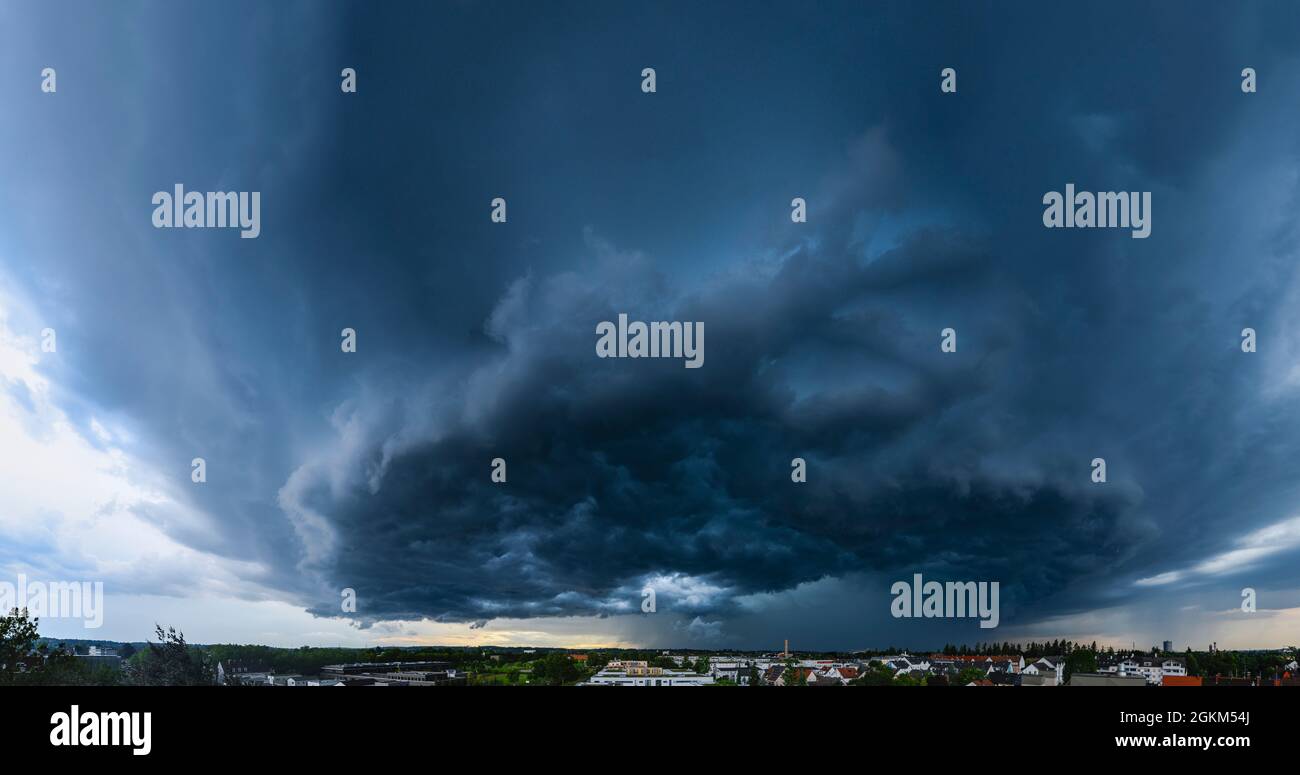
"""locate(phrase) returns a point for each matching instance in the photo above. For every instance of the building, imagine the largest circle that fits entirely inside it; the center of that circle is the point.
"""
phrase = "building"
(736, 672)
(238, 673)
(1106, 679)
(843, 673)
(362, 668)
(1152, 669)
(1012, 664)
(821, 679)
(793, 675)
(395, 674)
(1223, 680)
(1048, 666)
(636, 673)
(1180, 680)
(1168, 646)
(904, 664)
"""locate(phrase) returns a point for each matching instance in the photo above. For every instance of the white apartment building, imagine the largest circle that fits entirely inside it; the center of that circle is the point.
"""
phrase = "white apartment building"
(635, 673)
(1150, 668)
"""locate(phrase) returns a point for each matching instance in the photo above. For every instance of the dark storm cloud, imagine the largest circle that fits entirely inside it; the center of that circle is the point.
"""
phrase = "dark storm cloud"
(622, 472)
(974, 467)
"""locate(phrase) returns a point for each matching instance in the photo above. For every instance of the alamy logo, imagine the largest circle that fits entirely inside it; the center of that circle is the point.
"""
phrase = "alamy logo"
(196, 210)
(1104, 209)
(953, 600)
(653, 340)
(93, 729)
(56, 599)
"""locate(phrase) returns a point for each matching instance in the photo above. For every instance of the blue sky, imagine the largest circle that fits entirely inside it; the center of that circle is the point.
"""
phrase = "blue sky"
(476, 340)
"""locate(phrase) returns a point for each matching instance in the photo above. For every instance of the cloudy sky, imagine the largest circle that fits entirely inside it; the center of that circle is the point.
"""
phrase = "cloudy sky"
(371, 470)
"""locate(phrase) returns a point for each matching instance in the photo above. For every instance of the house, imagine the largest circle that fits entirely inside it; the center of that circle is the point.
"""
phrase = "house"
(843, 674)
(1039, 679)
(1003, 666)
(793, 674)
(736, 672)
(772, 676)
(236, 672)
(1180, 680)
(1050, 666)
(904, 665)
(1006, 663)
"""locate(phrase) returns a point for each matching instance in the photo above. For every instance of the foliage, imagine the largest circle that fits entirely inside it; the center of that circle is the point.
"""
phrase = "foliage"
(793, 675)
(555, 669)
(18, 636)
(26, 660)
(1080, 661)
(969, 674)
(171, 662)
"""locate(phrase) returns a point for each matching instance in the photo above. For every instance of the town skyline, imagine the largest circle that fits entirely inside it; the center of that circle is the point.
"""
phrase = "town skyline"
(471, 323)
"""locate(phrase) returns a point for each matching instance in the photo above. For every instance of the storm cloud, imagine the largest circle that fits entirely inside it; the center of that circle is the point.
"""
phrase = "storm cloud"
(371, 470)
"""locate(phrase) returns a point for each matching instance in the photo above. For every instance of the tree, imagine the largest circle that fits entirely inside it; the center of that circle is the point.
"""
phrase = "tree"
(1080, 661)
(22, 661)
(171, 662)
(969, 674)
(555, 669)
(793, 675)
(876, 675)
(18, 636)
